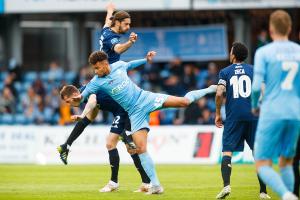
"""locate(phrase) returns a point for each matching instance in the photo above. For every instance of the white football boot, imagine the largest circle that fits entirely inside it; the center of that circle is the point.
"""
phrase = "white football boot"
(110, 187)
(289, 196)
(155, 189)
(143, 188)
(224, 193)
(263, 195)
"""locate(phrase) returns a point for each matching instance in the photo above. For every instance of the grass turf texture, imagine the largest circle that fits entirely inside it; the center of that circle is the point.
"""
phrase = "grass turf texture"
(83, 181)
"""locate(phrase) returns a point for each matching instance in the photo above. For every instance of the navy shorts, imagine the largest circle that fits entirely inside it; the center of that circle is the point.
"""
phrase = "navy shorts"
(120, 124)
(236, 133)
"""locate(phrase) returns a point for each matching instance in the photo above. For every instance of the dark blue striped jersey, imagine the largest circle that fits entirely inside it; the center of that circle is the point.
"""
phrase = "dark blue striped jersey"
(106, 103)
(237, 78)
(107, 41)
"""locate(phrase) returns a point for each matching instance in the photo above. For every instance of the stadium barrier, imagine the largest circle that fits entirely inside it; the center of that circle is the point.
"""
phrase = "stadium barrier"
(166, 144)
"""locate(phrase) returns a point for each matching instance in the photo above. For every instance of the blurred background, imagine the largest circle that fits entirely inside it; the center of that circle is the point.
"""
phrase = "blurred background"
(45, 44)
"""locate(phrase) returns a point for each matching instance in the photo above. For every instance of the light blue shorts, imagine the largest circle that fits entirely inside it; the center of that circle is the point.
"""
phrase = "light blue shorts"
(276, 138)
(147, 103)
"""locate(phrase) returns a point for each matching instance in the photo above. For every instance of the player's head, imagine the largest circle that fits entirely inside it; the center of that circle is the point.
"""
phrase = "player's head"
(238, 53)
(280, 24)
(121, 21)
(71, 95)
(99, 61)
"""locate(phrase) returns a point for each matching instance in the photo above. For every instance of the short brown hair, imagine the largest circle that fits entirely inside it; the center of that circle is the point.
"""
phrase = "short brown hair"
(67, 91)
(97, 56)
(119, 16)
(281, 21)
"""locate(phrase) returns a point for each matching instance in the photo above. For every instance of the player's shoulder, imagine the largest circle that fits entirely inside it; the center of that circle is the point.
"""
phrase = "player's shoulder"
(118, 63)
(227, 69)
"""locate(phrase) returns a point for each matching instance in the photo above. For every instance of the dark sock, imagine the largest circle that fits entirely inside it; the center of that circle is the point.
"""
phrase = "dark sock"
(296, 173)
(77, 130)
(226, 170)
(114, 161)
(262, 185)
(139, 167)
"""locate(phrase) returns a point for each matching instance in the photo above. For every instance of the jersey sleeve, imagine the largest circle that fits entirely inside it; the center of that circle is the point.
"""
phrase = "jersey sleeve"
(258, 77)
(222, 78)
(135, 63)
(110, 42)
(90, 88)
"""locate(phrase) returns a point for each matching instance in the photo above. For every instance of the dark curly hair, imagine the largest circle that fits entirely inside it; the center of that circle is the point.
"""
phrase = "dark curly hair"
(240, 51)
(97, 56)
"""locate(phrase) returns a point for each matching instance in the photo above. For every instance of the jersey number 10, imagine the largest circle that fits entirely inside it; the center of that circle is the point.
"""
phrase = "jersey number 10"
(241, 86)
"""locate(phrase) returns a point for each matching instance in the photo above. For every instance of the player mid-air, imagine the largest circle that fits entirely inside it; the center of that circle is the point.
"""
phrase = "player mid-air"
(120, 125)
(116, 24)
(277, 66)
(240, 125)
(113, 79)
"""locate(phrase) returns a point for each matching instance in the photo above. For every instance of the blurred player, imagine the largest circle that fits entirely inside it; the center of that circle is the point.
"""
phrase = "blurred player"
(240, 124)
(120, 124)
(114, 80)
(115, 24)
(277, 66)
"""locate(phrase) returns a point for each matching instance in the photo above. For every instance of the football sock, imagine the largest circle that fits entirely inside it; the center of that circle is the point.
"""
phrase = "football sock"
(114, 161)
(137, 162)
(262, 185)
(226, 169)
(296, 173)
(272, 179)
(77, 130)
(197, 94)
(288, 178)
(149, 168)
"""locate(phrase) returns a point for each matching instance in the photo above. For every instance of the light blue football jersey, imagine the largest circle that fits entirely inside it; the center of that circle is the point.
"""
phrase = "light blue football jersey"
(278, 66)
(118, 85)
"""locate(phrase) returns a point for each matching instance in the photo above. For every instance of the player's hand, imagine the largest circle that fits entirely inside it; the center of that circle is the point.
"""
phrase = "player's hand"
(76, 118)
(133, 37)
(255, 111)
(150, 56)
(218, 121)
(110, 7)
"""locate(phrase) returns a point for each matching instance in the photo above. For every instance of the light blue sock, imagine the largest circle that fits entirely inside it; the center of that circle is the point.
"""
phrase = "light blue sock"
(197, 94)
(288, 177)
(149, 168)
(272, 179)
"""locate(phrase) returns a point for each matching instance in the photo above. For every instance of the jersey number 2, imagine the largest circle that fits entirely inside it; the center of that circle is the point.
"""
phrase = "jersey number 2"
(239, 88)
(292, 68)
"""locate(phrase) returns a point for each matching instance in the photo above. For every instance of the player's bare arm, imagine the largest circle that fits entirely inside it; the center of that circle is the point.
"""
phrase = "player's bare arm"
(219, 99)
(120, 48)
(109, 9)
(90, 106)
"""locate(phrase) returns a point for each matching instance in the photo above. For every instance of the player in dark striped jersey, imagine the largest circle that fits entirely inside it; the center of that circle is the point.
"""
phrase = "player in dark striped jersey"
(121, 123)
(116, 24)
(240, 124)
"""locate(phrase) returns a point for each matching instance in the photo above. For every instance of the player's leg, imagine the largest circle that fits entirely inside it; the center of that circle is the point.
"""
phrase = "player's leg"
(288, 151)
(114, 161)
(77, 130)
(232, 141)
(127, 139)
(296, 169)
(269, 135)
(250, 138)
(190, 97)
(140, 139)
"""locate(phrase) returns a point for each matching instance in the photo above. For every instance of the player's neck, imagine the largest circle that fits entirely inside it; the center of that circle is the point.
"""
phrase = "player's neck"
(115, 29)
(279, 38)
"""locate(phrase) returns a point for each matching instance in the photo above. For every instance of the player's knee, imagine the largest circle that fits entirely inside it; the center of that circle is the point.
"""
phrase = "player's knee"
(185, 102)
(141, 149)
(283, 162)
(110, 146)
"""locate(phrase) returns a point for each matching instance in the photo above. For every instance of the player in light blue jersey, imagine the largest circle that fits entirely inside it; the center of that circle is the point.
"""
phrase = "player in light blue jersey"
(277, 66)
(113, 79)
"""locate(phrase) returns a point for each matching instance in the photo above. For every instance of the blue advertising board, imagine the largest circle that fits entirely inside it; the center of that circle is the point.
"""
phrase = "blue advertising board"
(197, 43)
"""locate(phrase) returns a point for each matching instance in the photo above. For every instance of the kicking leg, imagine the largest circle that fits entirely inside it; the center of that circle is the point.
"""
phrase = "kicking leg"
(190, 97)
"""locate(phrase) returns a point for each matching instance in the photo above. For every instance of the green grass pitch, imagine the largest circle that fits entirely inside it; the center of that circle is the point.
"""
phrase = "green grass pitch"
(83, 181)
